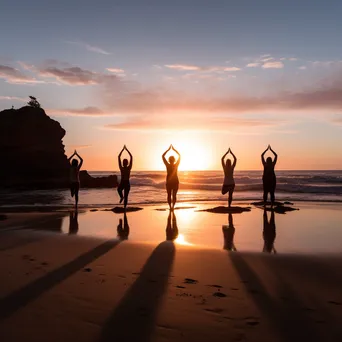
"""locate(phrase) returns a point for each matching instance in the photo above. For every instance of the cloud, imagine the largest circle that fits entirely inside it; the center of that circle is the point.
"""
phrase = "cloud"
(77, 76)
(268, 59)
(183, 67)
(14, 76)
(253, 65)
(273, 65)
(326, 64)
(115, 70)
(190, 123)
(231, 69)
(86, 111)
(89, 47)
(186, 67)
(79, 147)
(13, 98)
(303, 67)
(72, 75)
(161, 101)
(26, 66)
(291, 59)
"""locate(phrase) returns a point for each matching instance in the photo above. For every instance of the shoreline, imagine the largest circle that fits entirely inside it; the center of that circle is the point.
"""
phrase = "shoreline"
(67, 208)
(314, 228)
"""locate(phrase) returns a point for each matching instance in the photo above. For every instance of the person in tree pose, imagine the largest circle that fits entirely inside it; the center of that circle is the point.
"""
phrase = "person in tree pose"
(75, 168)
(125, 169)
(172, 182)
(269, 178)
(228, 183)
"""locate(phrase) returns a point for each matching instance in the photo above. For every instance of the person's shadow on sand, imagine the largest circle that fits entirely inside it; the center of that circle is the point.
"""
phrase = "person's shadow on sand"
(269, 233)
(171, 227)
(134, 317)
(123, 230)
(228, 234)
(73, 222)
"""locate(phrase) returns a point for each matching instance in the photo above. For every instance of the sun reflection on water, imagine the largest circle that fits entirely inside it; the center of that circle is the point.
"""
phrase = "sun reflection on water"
(181, 240)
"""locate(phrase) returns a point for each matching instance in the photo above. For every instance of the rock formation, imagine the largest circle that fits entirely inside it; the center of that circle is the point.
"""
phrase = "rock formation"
(32, 152)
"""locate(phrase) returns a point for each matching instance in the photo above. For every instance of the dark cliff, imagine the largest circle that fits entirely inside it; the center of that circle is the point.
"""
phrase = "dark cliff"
(32, 152)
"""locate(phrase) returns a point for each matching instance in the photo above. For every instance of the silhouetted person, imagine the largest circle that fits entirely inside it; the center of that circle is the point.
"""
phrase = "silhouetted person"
(73, 222)
(75, 176)
(269, 178)
(123, 231)
(228, 183)
(269, 233)
(172, 182)
(125, 169)
(228, 234)
(171, 228)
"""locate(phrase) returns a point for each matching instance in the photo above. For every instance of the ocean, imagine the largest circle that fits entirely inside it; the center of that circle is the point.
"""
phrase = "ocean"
(148, 187)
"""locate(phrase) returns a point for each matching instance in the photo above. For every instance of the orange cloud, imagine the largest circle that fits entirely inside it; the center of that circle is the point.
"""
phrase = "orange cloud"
(190, 122)
(86, 111)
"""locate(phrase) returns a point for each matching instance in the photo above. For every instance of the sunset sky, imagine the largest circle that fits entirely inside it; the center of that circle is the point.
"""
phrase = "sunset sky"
(202, 75)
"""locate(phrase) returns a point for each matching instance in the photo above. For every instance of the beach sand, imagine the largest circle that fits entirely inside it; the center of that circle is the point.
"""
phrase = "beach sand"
(68, 287)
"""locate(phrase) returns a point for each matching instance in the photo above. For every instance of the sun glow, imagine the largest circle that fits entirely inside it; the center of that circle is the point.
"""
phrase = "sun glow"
(195, 155)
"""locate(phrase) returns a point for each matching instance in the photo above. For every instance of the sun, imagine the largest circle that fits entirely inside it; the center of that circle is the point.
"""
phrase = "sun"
(195, 155)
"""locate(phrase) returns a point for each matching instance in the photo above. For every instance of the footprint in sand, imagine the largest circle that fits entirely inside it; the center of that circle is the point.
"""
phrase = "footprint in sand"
(190, 281)
(333, 302)
(217, 286)
(252, 323)
(215, 310)
(87, 269)
(180, 287)
(219, 294)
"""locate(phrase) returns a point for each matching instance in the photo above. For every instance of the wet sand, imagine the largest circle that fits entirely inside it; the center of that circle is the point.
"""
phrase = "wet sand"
(65, 287)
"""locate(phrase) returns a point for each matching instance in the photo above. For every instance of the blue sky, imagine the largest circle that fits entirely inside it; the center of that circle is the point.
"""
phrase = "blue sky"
(225, 73)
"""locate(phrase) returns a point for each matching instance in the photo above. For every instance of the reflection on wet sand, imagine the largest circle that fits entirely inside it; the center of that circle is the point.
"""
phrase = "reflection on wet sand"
(73, 222)
(269, 233)
(171, 227)
(228, 234)
(123, 230)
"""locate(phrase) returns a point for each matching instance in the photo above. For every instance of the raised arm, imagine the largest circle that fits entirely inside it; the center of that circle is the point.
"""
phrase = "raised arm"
(235, 160)
(164, 154)
(81, 160)
(131, 158)
(119, 158)
(263, 156)
(222, 159)
(178, 154)
(71, 156)
(275, 157)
